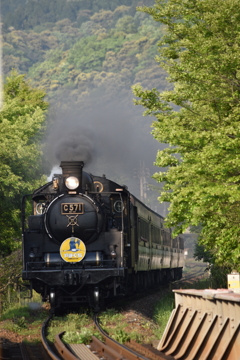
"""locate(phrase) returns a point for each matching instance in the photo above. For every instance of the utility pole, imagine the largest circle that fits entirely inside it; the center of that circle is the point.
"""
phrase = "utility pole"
(142, 173)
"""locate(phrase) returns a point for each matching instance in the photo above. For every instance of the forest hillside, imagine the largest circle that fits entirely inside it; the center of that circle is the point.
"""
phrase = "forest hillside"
(86, 55)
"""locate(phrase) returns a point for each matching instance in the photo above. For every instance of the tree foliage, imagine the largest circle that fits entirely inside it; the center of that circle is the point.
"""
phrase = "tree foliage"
(22, 120)
(10, 274)
(26, 14)
(199, 119)
(55, 55)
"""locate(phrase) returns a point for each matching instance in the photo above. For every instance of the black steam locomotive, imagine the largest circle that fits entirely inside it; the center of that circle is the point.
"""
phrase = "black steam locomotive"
(86, 238)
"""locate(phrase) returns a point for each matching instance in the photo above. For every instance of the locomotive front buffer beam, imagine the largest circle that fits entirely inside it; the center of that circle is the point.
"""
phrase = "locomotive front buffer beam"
(66, 286)
(72, 276)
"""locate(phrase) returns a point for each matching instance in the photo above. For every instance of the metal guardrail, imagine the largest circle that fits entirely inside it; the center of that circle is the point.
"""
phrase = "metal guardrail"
(205, 325)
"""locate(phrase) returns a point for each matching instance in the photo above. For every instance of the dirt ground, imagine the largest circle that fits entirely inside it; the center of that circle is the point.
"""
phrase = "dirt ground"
(12, 334)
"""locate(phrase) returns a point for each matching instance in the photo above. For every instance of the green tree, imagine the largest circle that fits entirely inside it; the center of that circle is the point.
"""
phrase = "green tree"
(89, 53)
(26, 14)
(22, 121)
(127, 24)
(199, 119)
(10, 277)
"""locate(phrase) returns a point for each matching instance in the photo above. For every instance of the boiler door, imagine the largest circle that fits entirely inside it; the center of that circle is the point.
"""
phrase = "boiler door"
(77, 216)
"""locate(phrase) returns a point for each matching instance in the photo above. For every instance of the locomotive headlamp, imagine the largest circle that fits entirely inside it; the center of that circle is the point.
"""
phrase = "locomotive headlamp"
(72, 182)
(113, 254)
(32, 255)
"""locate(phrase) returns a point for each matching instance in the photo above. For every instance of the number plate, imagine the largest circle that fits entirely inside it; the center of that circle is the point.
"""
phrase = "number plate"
(72, 208)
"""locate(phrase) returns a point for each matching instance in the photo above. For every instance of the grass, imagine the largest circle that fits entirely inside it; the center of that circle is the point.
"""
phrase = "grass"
(23, 320)
(165, 307)
(78, 328)
(112, 322)
(16, 311)
(109, 317)
(162, 313)
(118, 328)
(79, 337)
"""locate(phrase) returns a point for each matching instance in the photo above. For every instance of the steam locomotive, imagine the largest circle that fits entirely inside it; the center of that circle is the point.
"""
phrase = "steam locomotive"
(86, 238)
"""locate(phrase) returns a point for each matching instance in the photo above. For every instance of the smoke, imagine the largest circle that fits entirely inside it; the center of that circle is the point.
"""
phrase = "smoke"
(109, 134)
(34, 306)
(77, 144)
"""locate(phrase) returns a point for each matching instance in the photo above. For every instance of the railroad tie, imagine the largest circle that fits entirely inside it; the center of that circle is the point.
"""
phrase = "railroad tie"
(82, 351)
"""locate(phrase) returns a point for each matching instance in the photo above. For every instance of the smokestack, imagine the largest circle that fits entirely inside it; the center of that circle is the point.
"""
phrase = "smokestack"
(72, 168)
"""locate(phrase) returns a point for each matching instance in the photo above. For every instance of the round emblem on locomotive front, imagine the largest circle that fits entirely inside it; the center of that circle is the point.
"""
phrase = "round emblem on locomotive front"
(72, 250)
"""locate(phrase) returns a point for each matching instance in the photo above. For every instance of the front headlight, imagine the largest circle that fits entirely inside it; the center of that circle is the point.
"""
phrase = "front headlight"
(72, 182)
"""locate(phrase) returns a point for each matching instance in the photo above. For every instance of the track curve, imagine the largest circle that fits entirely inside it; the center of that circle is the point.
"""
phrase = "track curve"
(125, 351)
(45, 343)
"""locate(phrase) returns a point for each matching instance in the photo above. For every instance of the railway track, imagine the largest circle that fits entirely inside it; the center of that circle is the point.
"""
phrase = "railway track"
(107, 350)
(129, 351)
(110, 349)
(191, 278)
(24, 351)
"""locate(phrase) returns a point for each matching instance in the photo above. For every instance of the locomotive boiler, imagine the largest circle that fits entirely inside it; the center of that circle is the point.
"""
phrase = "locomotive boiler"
(86, 238)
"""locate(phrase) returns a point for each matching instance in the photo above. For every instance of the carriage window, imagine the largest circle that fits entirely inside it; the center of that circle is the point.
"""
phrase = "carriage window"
(143, 230)
(175, 242)
(156, 234)
(166, 237)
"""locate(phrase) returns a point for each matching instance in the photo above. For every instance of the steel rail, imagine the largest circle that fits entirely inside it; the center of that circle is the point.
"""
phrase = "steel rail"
(187, 277)
(62, 349)
(45, 343)
(126, 352)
